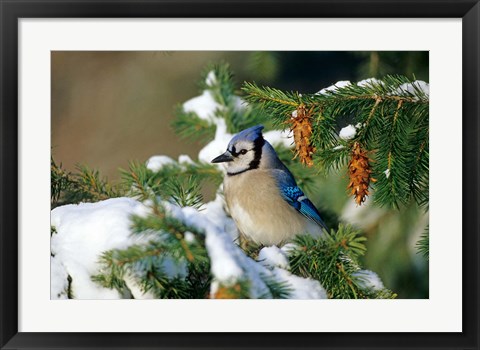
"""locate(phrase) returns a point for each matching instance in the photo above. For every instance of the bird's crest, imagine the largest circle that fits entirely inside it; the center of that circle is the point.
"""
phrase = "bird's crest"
(250, 134)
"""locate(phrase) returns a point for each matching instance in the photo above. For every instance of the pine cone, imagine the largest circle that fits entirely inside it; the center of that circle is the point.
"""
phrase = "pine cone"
(359, 171)
(301, 125)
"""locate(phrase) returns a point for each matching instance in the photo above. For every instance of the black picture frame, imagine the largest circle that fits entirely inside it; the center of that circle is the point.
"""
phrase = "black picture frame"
(11, 11)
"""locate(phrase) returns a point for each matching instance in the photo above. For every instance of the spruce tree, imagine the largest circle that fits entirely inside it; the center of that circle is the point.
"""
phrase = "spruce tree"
(384, 150)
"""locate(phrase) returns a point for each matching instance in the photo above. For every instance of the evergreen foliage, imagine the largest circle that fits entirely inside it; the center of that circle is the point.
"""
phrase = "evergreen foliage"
(84, 185)
(177, 182)
(423, 243)
(334, 261)
(391, 119)
(171, 259)
(189, 126)
(172, 263)
(237, 115)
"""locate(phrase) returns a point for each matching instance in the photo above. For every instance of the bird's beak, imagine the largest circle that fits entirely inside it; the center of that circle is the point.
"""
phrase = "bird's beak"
(226, 157)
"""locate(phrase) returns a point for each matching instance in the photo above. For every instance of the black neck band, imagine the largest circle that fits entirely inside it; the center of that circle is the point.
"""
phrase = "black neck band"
(257, 148)
(239, 172)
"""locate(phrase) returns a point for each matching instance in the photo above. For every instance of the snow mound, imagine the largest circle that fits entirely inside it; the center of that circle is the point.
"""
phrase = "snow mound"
(370, 82)
(218, 145)
(348, 132)
(334, 87)
(412, 88)
(301, 288)
(273, 256)
(84, 232)
(368, 280)
(156, 163)
(204, 106)
(230, 265)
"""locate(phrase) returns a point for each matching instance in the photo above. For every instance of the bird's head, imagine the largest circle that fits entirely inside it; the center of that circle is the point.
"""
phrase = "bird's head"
(244, 151)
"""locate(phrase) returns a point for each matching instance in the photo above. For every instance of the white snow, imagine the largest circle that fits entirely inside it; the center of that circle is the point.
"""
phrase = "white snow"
(135, 289)
(273, 256)
(211, 79)
(217, 146)
(387, 173)
(204, 106)
(155, 163)
(239, 104)
(364, 216)
(279, 137)
(229, 264)
(301, 288)
(222, 252)
(334, 87)
(294, 114)
(58, 279)
(369, 82)
(367, 279)
(411, 89)
(184, 159)
(348, 132)
(189, 237)
(84, 232)
(216, 212)
(338, 148)
(423, 86)
(289, 248)
(221, 249)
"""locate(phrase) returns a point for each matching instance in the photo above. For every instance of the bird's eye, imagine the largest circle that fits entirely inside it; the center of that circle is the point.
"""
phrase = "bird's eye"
(243, 151)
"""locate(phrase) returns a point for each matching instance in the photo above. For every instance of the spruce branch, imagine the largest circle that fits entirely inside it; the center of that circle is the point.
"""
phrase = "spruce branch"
(423, 243)
(84, 185)
(190, 127)
(111, 275)
(217, 83)
(218, 79)
(241, 289)
(169, 181)
(169, 264)
(186, 192)
(333, 260)
(276, 289)
(390, 118)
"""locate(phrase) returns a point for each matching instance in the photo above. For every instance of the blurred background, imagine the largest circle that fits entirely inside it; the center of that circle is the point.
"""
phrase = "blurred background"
(109, 108)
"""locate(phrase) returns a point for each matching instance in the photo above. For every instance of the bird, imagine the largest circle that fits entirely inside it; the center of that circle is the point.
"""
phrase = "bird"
(262, 195)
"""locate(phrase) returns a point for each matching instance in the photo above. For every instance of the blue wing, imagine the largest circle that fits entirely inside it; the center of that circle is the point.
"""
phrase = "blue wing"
(297, 199)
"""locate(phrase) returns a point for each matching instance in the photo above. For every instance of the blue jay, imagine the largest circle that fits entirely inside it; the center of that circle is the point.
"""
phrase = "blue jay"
(261, 194)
